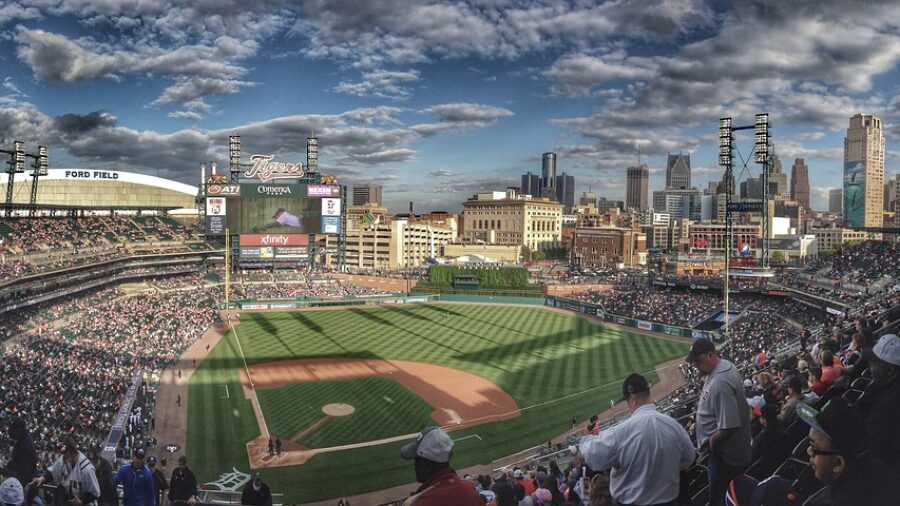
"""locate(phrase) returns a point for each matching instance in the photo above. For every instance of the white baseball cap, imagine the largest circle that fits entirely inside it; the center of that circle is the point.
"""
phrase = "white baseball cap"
(887, 349)
(432, 443)
(11, 492)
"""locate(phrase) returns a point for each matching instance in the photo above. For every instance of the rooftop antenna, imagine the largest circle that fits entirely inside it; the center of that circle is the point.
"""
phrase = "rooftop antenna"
(639, 152)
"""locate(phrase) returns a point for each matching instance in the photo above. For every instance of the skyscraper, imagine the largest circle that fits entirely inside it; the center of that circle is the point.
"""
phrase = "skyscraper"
(637, 191)
(548, 173)
(565, 191)
(367, 193)
(678, 172)
(531, 184)
(778, 185)
(836, 201)
(864, 171)
(800, 183)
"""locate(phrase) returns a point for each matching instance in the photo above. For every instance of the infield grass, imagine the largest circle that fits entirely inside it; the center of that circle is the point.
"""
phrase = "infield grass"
(537, 356)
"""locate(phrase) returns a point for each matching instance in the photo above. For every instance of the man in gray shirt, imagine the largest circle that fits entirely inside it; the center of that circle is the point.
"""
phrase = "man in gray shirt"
(723, 418)
(646, 452)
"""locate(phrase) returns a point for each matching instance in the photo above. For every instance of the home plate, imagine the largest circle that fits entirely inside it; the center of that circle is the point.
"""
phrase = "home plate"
(338, 409)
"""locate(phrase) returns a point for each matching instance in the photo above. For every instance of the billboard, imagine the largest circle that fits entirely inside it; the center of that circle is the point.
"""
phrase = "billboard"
(275, 209)
(274, 246)
(274, 240)
(855, 192)
(322, 190)
(216, 221)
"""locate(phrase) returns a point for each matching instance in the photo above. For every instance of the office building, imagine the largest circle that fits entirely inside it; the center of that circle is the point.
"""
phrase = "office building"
(800, 183)
(778, 186)
(864, 172)
(678, 172)
(607, 247)
(678, 203)
(565, 191)
(548, 174)
(891, 194)
(637, 190)
(588, 199)
(367, 194)
(836, 201)
(604, 205)
(531, 184)
(501, 218)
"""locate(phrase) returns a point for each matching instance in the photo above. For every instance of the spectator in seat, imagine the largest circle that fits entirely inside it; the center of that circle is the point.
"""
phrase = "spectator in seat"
(770, 442)
(816, 385)
(831, 370)
(441, 486)
(257, 492)
(182, 484)
(723, 418)
(881, 403)
(646, 452)
(593, 426)
(794, 388)
(838, 459)
(527, 484)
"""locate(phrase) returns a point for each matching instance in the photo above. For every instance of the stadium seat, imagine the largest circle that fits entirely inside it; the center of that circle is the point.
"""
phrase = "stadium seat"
(860, 383)
(700, 498)
(799, 452)
(852, 395)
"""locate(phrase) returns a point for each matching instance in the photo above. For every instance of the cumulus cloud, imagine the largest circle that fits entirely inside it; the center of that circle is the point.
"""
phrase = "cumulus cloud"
(459, 116)
(380, 83)
(577, 74)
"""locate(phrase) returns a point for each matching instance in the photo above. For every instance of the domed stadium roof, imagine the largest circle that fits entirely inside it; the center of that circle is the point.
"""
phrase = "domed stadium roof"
(101, 188)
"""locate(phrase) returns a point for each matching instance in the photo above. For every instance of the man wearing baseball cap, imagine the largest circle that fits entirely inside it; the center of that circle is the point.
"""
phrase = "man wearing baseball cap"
(441, 486)
(838, 458)
(137, 482)
(11, 492)
(646, 452)
(881, 404)
(723, 418)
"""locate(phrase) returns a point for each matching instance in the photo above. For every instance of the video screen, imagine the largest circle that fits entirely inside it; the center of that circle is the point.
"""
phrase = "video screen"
(275, 209)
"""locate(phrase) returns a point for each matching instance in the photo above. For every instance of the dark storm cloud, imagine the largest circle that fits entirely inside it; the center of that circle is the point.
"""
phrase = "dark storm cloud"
(79, 124)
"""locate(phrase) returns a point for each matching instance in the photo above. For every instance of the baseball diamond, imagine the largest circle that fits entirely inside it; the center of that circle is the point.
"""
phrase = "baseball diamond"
(508, 374)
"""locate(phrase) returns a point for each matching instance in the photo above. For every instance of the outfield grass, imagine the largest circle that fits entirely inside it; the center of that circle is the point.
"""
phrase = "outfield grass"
(535, 355)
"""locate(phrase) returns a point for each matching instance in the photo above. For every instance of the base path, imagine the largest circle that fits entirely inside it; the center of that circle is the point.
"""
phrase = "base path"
(461, 399)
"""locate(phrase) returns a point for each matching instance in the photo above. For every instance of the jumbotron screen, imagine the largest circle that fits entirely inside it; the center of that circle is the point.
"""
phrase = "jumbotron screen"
(285, 209)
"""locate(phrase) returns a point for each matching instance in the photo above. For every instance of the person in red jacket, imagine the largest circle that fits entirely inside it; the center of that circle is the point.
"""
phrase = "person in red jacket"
(441, 486)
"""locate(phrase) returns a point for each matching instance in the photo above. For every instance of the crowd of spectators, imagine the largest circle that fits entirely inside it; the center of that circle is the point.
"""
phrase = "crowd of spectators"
(33, 245)
(70, 378)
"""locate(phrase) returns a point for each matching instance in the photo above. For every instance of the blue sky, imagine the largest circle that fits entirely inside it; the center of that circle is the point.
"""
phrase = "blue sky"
(438, 100)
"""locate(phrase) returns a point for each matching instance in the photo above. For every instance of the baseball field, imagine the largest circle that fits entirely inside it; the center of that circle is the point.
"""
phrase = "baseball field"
(342, 387)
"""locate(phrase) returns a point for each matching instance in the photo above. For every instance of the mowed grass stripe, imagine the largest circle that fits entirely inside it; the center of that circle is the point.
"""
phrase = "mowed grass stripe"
(535, 355)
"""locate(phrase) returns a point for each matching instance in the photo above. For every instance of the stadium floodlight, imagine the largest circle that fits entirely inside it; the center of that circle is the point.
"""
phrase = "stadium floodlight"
(18, 156)
(761, 138)
(725, 140)
(234, 152)
(43, 161)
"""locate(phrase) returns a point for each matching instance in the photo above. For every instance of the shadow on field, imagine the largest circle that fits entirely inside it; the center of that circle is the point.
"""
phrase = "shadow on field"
(315, 327)
(377, 319)
(236, 362)
(442, 310)
(412, 314)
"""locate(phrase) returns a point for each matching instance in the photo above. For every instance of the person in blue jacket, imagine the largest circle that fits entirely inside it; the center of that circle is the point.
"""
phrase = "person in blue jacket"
(138, 488)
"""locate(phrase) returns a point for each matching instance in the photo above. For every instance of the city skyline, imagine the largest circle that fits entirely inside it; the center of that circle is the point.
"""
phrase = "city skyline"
(437, 101)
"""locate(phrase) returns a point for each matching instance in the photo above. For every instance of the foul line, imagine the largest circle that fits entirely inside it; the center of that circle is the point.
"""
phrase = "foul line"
(237, 339)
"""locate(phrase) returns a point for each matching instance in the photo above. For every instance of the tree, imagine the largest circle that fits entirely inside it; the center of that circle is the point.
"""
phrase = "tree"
(537, 256)
(778, 257)
(526, 253)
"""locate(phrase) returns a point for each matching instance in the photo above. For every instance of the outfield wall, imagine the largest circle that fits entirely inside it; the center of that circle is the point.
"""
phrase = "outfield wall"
(598, 311)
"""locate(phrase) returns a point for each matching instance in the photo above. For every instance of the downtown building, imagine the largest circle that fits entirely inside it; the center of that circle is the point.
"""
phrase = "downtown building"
(864, 172)
(678, 172)
(800, 183)
(367, 194)
(637, 187)
(512, 218)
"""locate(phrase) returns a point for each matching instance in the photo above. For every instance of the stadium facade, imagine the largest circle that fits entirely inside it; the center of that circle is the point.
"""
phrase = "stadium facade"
(103, 189)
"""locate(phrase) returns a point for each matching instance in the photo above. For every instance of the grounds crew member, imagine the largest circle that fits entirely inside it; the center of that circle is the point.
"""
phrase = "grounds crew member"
(441, 486)
(74, 476)
(646, 452)
(137, 482)
(723, 418)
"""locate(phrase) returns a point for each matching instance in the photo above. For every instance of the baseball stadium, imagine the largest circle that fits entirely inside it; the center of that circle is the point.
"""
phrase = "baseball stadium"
(150, 320)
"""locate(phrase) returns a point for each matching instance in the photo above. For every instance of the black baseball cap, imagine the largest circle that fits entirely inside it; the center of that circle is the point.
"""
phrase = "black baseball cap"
(139, 453)
(838, 422)
(699, 347)
(634, 384)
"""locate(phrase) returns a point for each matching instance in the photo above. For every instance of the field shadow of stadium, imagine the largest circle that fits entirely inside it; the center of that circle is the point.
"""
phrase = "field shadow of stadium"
(413, 314)
(377, 319)
(237, 362)
(315, 327)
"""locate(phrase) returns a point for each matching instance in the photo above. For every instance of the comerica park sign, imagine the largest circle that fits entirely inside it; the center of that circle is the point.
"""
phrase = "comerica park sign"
(265, 169)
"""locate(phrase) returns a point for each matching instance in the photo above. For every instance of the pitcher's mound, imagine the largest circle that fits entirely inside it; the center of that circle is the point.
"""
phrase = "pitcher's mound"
(338, 409)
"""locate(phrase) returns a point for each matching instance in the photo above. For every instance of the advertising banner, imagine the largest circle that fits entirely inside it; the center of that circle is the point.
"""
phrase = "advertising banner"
(274, 240)
(279, 208)
(855, 192)
(644, 325)
(321, 190)
(223, 189)
(331, 225)
(216, 222)
(331, 207)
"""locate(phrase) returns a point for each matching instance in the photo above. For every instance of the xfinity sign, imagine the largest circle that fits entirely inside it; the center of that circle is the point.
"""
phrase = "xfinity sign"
(265, 169)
